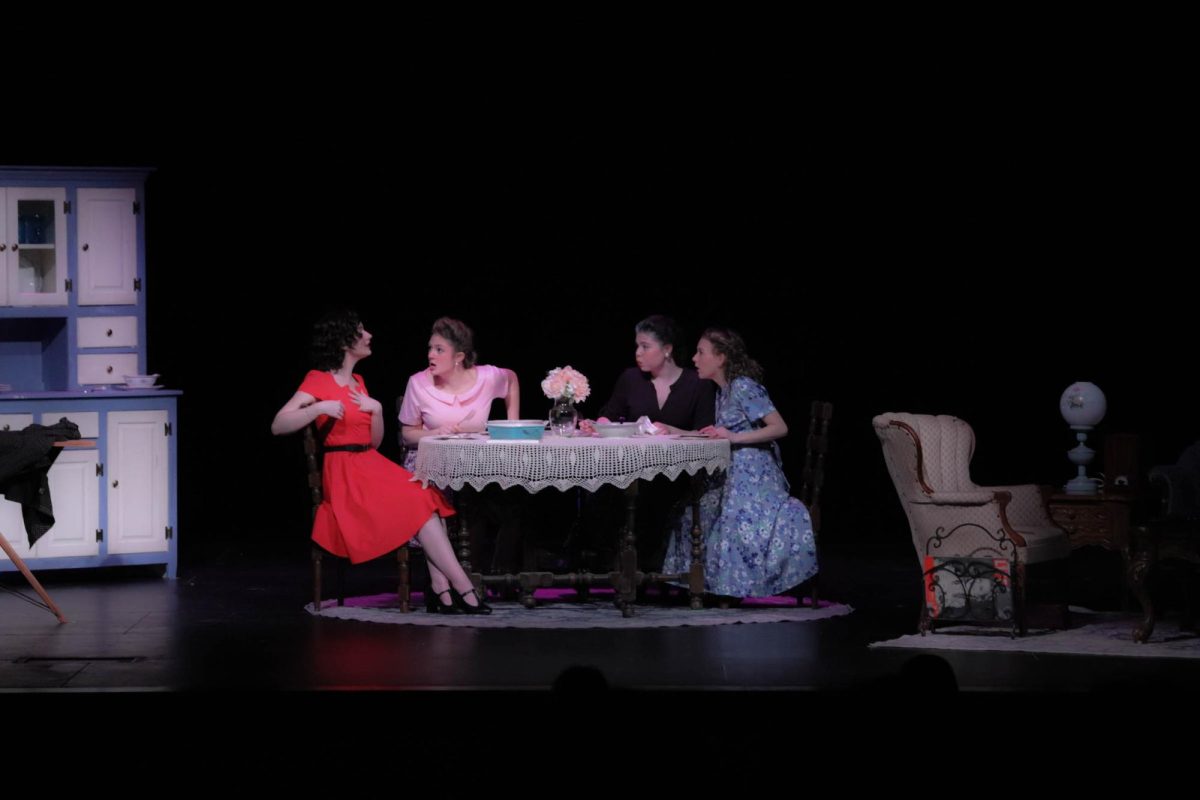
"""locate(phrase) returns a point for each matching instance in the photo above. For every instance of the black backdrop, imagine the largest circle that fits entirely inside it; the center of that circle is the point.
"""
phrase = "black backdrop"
(924, 244)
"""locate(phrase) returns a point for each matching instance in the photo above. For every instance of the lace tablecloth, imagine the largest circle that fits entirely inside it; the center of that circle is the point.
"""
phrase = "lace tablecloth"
(588, 462)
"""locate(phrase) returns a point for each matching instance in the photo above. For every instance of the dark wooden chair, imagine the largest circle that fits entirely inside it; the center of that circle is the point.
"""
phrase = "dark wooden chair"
(400, 431)
(1170, 538)
(812, 478)
(313, 457)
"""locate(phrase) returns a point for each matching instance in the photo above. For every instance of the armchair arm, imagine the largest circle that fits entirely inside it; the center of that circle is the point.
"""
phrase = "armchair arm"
(1027, 507)
(958, 498)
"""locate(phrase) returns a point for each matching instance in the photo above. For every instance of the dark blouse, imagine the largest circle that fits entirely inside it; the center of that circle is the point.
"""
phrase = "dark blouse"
(691, 403)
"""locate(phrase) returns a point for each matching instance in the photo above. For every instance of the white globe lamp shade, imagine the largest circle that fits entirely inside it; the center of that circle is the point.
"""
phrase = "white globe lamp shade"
(1083, 405)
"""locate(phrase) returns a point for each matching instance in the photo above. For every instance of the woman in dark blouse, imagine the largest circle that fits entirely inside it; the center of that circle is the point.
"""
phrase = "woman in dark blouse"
(670, 395)
(674, 398)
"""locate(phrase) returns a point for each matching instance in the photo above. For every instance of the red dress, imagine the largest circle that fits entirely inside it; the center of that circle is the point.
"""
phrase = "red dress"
(371, 507)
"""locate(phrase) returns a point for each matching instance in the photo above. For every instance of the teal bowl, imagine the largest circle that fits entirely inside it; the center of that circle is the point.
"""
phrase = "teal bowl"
(529, 430)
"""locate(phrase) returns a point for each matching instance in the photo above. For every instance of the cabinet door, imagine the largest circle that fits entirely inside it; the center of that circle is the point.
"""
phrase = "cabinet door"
(107, 247)
(36, 228)
(15, 422)
(11, 523)
(75, 493)
(136, 475)
(13, 528)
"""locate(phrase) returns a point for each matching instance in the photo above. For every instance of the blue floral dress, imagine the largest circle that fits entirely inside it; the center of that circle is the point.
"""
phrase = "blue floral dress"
(758, 541)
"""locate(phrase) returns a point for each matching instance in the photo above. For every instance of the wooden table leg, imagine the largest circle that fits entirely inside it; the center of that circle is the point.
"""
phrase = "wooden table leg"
(627, 580)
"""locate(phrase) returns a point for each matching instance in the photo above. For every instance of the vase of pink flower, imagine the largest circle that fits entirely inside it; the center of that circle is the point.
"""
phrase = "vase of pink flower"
(566, 386)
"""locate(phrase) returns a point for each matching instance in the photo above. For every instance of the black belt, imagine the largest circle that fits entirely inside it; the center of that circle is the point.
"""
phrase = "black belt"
(347, 448)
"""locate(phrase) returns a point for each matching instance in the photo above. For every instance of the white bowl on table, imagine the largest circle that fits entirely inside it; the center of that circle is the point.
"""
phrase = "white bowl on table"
(141, 381)
(614, 429)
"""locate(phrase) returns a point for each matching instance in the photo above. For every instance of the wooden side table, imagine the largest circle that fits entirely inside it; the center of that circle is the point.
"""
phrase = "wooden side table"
(1099, 519)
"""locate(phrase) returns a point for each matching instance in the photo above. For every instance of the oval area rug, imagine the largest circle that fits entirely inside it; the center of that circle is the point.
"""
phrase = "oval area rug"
(595, 612)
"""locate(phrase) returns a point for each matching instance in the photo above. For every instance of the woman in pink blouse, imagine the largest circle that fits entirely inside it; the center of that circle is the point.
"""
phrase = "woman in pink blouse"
(454, 395)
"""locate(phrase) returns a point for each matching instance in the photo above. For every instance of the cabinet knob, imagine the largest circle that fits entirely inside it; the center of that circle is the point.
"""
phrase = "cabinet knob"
(108, 332)
(116, 484)
(108, 370)
(85, 247)
(16, 246)
(3, 247)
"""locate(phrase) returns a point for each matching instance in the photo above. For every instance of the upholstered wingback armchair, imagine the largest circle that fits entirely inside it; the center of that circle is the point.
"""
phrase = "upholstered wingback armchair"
(949, 515)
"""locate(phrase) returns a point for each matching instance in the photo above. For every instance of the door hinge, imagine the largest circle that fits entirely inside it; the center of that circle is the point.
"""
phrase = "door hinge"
(68, 284)
(170, 532)
(99, 534)
(99, 470)
(66, 206)
(137, 208)
(166, 429)
(137, 284)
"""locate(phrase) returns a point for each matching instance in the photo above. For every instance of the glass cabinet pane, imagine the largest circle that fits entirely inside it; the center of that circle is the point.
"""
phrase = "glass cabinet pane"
(35, 222)
(37, 263)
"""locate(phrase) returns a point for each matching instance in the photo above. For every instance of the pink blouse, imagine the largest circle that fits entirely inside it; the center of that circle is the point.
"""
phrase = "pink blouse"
(430, 407)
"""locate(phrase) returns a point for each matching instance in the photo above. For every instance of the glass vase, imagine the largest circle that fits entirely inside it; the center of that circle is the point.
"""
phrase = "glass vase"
(563, 417)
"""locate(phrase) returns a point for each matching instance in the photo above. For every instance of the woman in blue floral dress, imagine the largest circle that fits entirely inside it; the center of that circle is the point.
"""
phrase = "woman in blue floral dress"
(758, 541)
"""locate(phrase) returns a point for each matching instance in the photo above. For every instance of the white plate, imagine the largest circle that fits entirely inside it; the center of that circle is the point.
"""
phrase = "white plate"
(129, 388)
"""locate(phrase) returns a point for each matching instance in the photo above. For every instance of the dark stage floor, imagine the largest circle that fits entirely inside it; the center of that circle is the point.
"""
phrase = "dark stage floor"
(235, 621)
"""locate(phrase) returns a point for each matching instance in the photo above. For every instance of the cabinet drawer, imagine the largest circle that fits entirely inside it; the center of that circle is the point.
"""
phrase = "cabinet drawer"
(88, 421)
(108, 332)
(15, 422)
(106, 368)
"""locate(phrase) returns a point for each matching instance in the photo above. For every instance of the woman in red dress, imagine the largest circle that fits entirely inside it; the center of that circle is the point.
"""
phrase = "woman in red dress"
(371, 506)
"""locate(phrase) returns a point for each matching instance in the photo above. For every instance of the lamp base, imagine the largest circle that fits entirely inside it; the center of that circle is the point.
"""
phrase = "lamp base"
(1082, 486)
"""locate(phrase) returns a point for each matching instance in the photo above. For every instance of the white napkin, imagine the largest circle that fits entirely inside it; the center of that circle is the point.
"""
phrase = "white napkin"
(646, 426)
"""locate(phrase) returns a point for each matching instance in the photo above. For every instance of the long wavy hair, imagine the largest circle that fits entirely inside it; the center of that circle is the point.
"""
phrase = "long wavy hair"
(460, 337)
(665, 330)
(738, 362)
(332, 334)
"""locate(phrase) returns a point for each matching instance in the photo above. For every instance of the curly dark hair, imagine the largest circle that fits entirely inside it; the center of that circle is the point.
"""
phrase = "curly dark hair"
(738, 362)
(665, 330)
(460, 337)
(332, 334)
